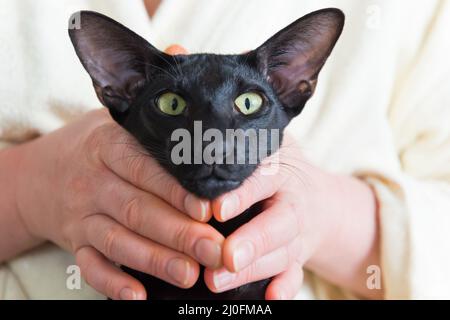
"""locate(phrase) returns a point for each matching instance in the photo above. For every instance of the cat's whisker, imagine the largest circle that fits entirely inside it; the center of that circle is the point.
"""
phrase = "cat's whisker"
(246, 58)
(168, 63)
(144, 150)
(302, 175)
(178, 72)
(139, 155)
(174, 77)
(178, 65)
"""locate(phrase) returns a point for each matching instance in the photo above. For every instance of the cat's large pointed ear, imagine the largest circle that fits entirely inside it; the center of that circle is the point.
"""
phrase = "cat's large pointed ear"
(115, 57)
(292, 58)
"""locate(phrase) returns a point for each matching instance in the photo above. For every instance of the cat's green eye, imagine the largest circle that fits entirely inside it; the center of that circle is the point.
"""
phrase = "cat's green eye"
(249, 102)
(170, 103)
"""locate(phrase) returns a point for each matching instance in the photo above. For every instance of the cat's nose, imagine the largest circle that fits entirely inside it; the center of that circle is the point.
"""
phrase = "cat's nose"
(213, 171)
(208, 171)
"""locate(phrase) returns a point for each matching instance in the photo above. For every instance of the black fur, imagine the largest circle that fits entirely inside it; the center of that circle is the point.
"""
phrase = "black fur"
(129, 74)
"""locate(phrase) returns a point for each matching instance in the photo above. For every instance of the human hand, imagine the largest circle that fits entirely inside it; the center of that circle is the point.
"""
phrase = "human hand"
(311, 217)
(91, 189)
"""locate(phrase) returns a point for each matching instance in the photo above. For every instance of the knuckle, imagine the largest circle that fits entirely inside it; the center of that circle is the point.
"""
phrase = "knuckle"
(250, 273)
(153, 263)
(110, 241)
(176, 193)
(68, 236)
(259, 187)
(78, 185)
(84, 264)
(181, 237)
(96, 139)
(77, 197)
(101, 141)
(110, 288)
(253, 186)
(135, 167)
(131, 213)
(265, 239)
(294, 211)
(87, 266)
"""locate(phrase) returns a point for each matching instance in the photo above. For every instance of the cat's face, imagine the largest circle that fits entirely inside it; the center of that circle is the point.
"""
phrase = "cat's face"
(206, 90)
(189, 111)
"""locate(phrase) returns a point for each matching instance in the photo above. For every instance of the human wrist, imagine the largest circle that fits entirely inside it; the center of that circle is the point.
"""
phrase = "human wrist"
(330, 214)
(46, 172)
(15, 237)
(29, 183)
(352, 244)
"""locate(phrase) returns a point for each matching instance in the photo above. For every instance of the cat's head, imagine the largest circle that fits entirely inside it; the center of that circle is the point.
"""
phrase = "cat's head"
(152, 94)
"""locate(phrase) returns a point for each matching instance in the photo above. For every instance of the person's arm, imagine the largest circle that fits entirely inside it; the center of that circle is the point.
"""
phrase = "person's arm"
(14, 236)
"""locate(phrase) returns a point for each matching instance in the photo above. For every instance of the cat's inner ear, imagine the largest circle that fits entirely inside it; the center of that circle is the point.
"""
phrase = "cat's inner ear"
(115, 57)
(292, 59)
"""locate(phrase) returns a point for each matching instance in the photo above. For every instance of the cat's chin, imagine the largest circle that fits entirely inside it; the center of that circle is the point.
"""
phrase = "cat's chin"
(211, 187)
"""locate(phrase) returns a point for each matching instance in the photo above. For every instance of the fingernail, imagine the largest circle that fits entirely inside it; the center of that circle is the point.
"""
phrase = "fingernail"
(127, 294)
(195, 207)
(222, 279)
(243, 255)
(229, 206)
(208, 253)
(179, 270)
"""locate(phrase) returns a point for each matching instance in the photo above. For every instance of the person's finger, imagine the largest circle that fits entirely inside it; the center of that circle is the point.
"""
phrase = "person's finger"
(106, 278)
(286, 285)
(123, 155)
(271, 174)
(257, 187)
(176, 49)
(278, 225)
(127, 248)
(153, 218)
(272, 264)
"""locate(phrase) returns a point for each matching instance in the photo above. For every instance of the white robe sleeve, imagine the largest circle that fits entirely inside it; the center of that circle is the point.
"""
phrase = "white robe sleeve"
(414, 201)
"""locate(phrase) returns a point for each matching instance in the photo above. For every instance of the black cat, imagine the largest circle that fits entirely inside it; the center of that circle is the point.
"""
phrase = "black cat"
(151, 94)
